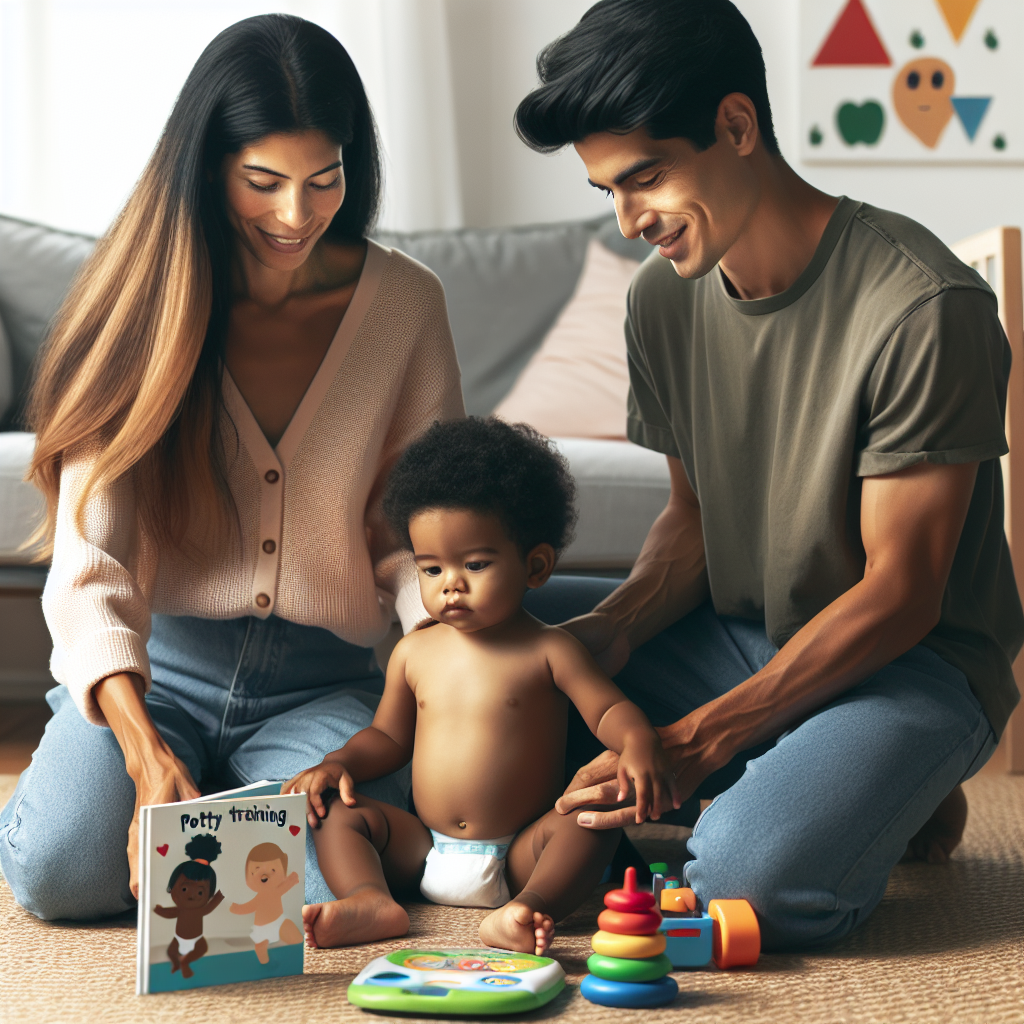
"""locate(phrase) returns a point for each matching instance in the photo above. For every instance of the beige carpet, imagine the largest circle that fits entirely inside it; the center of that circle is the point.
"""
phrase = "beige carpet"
(946, 944)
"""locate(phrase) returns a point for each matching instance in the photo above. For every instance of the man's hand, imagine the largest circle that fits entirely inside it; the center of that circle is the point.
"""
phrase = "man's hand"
(315, 782)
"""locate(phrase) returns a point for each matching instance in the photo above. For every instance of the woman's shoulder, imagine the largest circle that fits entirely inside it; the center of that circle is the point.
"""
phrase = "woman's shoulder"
(405, 275)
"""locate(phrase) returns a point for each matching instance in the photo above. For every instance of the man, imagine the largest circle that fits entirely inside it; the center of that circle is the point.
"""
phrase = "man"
(824, 617)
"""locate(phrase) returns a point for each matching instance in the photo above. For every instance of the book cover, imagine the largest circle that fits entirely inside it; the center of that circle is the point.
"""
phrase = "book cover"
(222, 883)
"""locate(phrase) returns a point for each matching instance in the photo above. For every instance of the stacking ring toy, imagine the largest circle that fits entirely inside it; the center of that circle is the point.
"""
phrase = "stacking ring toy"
(629, 994)
(629, 947)
(644, 923)
(629, 901)
(614, 969)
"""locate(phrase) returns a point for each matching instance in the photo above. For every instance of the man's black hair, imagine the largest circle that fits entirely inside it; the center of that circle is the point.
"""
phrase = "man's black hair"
(486, 465)
(664, 65)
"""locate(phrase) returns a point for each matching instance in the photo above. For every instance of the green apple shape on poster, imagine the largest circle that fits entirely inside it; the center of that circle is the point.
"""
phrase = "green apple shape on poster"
(863, 123)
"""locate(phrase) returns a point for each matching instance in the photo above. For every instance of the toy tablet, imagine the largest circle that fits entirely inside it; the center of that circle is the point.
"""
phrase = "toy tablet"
(477, 982)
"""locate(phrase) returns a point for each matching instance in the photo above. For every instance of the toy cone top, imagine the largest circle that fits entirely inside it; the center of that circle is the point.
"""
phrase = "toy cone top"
(629, 899)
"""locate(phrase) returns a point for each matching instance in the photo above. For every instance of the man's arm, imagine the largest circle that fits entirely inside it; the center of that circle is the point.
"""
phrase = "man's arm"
(910, 527)
(667, 582)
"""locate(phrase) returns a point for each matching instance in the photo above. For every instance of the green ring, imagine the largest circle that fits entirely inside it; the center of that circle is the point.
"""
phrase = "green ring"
(613, 968)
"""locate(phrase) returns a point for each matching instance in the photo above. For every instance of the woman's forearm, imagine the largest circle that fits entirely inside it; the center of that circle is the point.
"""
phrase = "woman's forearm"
(121, 698)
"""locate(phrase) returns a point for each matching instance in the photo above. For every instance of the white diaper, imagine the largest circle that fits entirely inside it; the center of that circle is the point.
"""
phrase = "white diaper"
(185, 946)
(267, 932)
(466, 872)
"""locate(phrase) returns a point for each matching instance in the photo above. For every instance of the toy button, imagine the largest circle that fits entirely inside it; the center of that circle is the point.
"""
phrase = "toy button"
(679, 900)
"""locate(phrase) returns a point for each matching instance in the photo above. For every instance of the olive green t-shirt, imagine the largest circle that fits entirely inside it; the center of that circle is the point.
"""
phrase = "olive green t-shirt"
(885, 352)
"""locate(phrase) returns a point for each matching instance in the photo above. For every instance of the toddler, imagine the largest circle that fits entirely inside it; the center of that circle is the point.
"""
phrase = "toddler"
(479, 701)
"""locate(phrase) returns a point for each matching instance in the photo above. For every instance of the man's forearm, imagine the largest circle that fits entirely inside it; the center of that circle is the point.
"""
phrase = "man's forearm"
(859, 633)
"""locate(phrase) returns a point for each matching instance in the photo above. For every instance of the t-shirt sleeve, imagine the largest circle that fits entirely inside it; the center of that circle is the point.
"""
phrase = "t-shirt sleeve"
(938, 390)
(646, 422)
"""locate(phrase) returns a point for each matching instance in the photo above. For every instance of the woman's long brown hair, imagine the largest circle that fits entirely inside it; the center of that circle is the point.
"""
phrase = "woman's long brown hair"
(130, 372)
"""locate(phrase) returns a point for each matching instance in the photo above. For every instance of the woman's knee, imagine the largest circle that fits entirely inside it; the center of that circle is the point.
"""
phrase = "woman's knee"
(63, 870)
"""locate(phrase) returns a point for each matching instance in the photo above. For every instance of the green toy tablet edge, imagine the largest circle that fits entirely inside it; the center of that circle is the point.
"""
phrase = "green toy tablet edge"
(380, 997)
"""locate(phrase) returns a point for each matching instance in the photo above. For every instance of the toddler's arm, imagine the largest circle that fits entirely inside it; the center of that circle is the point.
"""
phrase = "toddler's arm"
(380, 749)
(618, 723)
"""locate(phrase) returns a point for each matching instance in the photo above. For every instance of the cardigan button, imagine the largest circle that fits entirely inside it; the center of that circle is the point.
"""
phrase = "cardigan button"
(262, 600)
(271, 476)
(269, 546)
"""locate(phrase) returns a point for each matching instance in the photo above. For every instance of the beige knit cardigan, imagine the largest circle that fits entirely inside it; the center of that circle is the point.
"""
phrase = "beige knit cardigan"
(313, 546)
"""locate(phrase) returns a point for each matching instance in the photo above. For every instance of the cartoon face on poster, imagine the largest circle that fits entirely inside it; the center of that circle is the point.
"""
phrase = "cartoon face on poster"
(912, 81)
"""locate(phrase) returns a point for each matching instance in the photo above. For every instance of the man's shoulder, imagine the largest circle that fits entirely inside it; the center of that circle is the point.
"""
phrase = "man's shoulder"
(911, 252)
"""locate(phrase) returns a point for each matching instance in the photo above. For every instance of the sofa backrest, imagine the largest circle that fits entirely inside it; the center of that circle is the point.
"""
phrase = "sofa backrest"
(505, 287)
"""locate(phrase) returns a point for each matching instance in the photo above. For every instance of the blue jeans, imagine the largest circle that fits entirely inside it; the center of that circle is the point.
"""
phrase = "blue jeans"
(808, 826)
(237, 701)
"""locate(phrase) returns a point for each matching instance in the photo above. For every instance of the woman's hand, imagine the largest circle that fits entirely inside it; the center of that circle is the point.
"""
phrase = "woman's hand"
(610, 649)
(159, 777)
(316, 781)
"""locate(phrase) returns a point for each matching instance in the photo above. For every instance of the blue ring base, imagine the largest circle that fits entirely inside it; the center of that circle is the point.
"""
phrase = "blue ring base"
(629, 994)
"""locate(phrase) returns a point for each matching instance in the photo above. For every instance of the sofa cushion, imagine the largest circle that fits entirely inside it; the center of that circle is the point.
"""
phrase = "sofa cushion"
(621, 489)
(505, 288)
(21, 505)
(36, 266)
(6, 374)
(577, 382)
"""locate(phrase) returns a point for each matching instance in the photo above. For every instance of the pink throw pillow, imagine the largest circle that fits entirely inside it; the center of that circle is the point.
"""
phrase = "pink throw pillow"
(577, 381)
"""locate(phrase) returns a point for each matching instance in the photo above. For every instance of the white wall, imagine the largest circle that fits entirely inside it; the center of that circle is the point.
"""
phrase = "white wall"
(85, 86)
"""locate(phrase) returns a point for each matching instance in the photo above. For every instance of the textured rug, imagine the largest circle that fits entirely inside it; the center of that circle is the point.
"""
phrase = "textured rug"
(946, 944)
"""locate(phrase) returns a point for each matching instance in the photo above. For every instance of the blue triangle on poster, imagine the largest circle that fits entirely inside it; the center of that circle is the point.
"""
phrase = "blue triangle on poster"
(971, 110)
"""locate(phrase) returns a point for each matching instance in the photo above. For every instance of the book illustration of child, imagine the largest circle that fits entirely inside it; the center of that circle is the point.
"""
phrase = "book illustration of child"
(479, 702)
(266, 873)
(193, 888)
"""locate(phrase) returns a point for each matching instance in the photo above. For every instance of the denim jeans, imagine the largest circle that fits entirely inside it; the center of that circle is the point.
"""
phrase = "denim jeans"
(237, 701)
(807, 826)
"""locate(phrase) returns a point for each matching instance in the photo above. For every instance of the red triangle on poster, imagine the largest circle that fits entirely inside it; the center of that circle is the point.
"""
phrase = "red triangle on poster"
(853, 40)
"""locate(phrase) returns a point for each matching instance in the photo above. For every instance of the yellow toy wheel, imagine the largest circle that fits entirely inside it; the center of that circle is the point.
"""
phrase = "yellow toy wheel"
(628, 947)
(736, 938)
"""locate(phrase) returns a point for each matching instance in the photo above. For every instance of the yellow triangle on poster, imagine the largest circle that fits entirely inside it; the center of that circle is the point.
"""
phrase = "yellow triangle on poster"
(957, 13)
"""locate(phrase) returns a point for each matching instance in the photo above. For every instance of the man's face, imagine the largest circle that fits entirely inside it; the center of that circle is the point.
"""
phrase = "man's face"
(691, 204)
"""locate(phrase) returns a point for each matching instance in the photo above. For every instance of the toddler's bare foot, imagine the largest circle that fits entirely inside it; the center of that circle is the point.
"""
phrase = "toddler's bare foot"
(941, 833)
(364, 916)
(519, 927)
(186, 971)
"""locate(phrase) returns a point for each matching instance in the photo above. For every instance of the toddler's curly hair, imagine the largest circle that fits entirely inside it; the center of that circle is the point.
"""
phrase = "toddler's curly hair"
(506, 469)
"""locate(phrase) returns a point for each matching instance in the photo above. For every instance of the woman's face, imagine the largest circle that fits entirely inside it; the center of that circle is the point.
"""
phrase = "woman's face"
(281, 194)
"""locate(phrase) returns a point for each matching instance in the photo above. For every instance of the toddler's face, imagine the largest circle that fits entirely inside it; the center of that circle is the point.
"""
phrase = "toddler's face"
(471, 574)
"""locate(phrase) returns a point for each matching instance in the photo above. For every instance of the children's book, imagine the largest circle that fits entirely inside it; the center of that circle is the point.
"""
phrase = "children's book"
(221, 888)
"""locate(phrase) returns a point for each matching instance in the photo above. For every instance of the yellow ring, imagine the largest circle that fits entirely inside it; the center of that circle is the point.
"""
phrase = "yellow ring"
(628, 947)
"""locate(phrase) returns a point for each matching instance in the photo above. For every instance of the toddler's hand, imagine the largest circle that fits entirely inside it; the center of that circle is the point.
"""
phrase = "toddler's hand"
(644, 766)
(314, 782)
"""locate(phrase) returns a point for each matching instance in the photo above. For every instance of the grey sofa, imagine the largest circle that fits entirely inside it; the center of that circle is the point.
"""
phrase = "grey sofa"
(505, 288)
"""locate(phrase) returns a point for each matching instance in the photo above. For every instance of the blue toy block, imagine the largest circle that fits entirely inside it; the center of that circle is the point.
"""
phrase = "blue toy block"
(688, 940)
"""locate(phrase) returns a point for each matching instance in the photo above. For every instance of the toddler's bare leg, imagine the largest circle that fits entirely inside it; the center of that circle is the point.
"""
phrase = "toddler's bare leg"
(359, 849)
(552, 868)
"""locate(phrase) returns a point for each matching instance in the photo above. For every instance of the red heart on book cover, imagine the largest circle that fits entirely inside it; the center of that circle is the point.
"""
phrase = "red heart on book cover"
(162, 850)
(294, 829)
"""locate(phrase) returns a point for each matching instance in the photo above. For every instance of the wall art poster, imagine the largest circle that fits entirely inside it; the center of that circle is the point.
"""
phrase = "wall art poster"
(912, 81)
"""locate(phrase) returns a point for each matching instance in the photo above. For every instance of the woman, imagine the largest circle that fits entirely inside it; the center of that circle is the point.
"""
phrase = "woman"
(220, 399)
